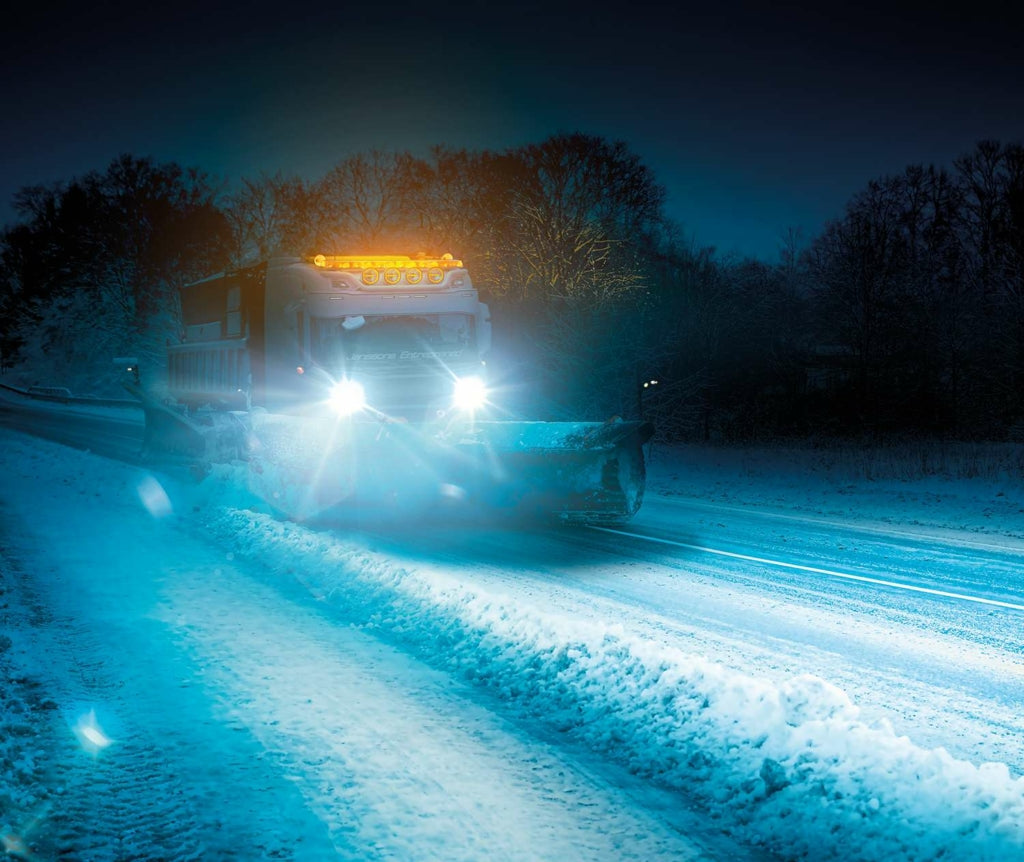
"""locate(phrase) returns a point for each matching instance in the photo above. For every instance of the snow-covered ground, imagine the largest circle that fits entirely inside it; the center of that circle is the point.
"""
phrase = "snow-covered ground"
(191, 677)
(946, 489)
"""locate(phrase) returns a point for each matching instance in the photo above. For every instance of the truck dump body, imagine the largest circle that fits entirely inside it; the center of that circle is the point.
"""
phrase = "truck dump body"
(360, 381)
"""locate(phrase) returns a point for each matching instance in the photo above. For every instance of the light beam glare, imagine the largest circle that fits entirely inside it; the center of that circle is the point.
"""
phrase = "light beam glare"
(470, 393)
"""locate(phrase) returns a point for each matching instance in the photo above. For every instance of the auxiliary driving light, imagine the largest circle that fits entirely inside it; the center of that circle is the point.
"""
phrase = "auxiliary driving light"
(470, 393)
(347, 397)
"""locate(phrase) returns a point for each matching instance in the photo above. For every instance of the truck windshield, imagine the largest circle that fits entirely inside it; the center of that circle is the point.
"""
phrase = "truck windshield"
(390, 338)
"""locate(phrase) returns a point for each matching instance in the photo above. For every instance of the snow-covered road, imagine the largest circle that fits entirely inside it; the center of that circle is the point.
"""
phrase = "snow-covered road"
(944, 668)
(246, 719)
(273, 690)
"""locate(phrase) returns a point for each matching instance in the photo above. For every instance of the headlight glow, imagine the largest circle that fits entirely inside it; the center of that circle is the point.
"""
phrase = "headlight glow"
(347, 397)
(470, 393)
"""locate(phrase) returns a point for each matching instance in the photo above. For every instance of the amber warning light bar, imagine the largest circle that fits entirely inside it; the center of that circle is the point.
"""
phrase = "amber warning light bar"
(391, 268)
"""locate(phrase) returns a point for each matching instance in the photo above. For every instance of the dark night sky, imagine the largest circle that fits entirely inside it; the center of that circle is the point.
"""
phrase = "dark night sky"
(754, 120)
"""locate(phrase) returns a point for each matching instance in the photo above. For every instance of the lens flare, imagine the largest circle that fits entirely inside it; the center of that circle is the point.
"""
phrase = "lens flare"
(90, 735)
(154, 498)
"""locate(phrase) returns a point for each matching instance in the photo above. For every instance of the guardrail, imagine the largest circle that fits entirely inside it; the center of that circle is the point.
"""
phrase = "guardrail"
(62, 395)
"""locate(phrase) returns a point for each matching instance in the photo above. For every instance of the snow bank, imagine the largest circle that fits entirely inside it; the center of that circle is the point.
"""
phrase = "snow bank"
(791, 767)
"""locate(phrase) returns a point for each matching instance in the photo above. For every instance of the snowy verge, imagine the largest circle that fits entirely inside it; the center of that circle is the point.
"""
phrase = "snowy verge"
(122, 410)
(790, 767)
(23, 709)
(954, 488)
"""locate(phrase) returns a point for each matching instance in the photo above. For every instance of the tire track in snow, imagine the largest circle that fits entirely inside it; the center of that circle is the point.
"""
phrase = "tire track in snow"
(955, 679)
(92, 807)
(162, 788)
(175, 783)
(209, 723)
(398, 760)
(945, 690)
(814, 570)
(792, 766)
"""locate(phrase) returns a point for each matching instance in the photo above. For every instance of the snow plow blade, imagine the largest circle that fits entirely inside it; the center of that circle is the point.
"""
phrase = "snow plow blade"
(309, 465)
(577, 472)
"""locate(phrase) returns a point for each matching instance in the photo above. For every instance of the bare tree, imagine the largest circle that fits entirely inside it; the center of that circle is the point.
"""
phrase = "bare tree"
(992, 229)
(575, 210)
(368, 203)
(270, 215)
(455, 202)
(97, 261)
(859, 264)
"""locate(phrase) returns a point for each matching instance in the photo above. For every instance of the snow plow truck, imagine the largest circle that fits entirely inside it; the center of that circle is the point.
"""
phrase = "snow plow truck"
(360, 381)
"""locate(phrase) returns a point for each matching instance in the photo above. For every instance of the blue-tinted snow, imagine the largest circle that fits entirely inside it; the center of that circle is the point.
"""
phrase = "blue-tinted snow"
(244, 720)
(789, 764)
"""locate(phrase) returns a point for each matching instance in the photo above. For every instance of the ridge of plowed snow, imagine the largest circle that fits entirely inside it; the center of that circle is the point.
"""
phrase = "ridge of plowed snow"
(791, 767)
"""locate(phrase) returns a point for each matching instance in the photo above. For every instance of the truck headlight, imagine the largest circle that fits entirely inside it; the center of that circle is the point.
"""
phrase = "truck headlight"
(347, 397)
(470, 393)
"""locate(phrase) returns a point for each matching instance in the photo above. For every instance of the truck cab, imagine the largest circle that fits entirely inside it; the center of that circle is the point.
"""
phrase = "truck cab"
(400, 337)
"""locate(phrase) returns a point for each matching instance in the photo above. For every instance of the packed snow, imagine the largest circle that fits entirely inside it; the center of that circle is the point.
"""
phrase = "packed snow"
(791, 767)
(682, 753)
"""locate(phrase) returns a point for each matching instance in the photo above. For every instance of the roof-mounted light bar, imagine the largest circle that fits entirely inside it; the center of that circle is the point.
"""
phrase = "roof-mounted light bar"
(387, 270)
(385, 261)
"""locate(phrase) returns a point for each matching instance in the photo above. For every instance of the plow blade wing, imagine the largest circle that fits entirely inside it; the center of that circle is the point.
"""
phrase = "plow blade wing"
(214, 437)
(587, 472)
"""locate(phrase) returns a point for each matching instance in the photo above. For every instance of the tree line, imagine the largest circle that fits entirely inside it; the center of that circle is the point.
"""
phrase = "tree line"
(904, 316)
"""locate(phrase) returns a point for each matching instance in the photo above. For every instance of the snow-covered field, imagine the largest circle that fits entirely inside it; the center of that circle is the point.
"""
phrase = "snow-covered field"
(323, 692)
(956, 488)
